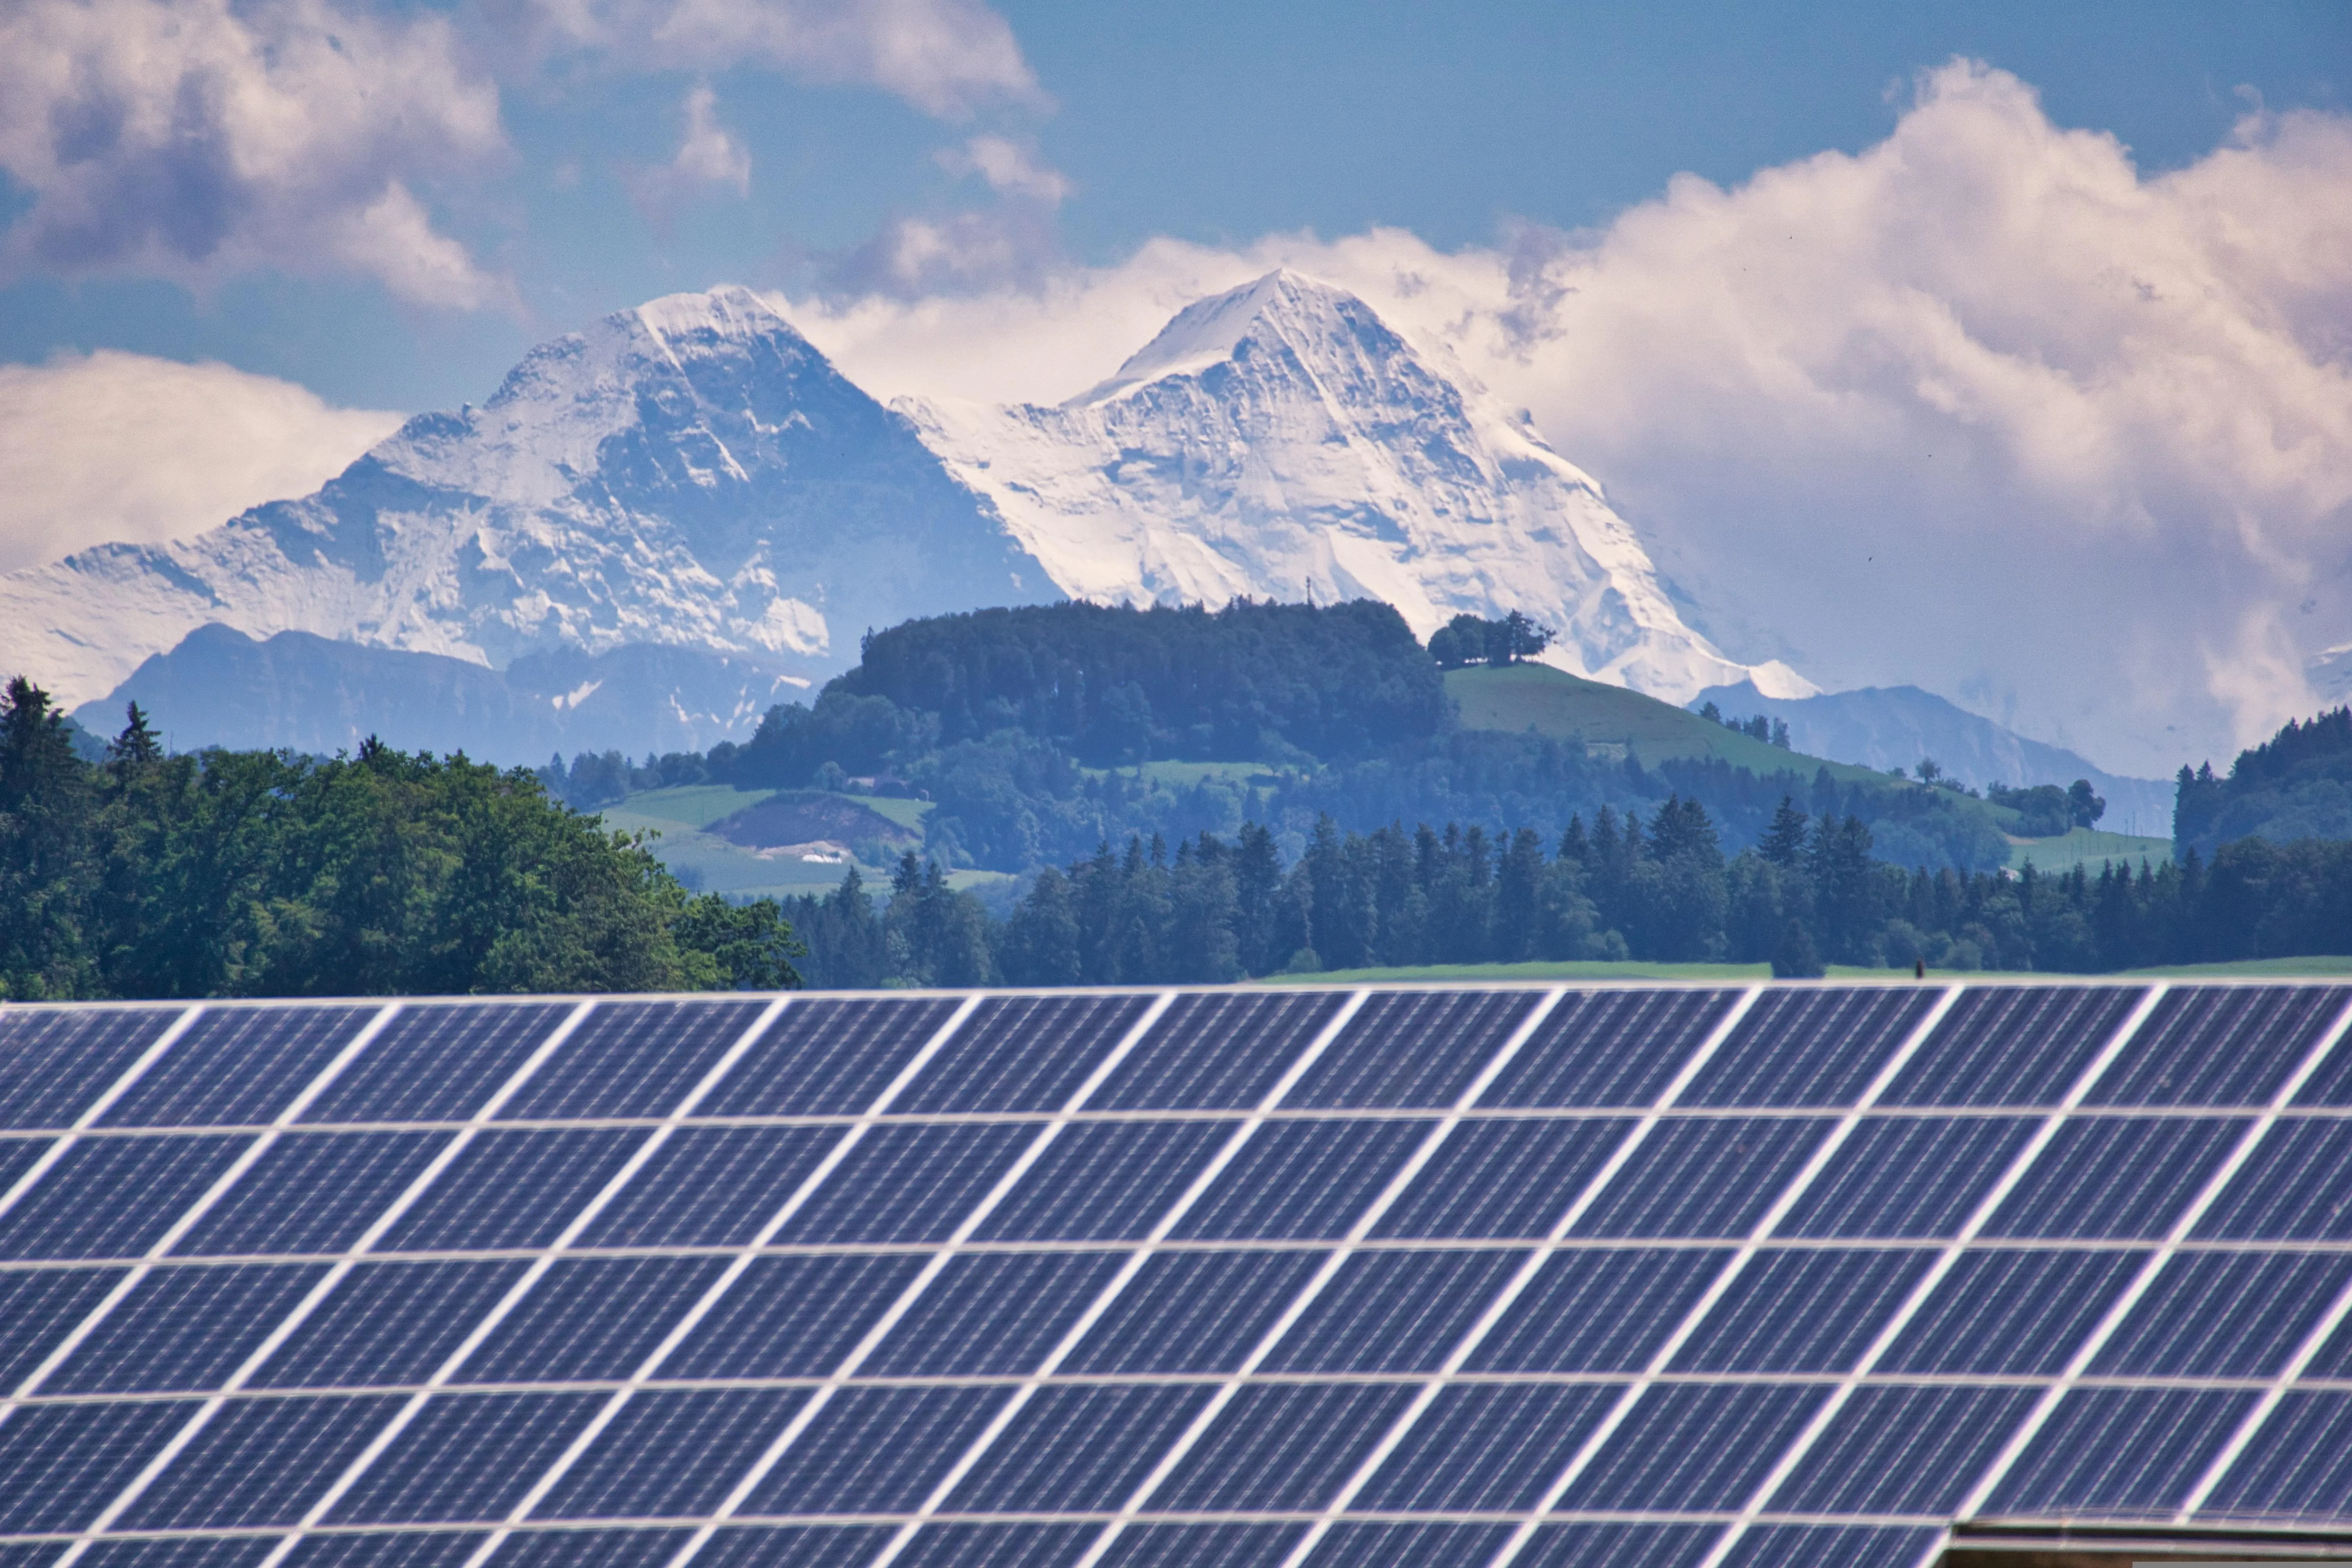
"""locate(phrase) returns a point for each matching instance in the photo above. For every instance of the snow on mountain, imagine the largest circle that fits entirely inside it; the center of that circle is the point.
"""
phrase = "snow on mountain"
(690, 474)
(1280, 441)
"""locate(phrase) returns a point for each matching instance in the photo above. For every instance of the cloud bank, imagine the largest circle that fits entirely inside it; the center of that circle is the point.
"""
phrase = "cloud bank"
(1980, 408)
(121, 446)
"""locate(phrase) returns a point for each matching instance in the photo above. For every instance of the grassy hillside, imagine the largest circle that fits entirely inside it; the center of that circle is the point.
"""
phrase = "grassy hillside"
(2087, 847)
(707, 861)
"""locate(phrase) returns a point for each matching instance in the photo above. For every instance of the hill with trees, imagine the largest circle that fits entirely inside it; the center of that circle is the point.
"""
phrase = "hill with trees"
(2295, 785)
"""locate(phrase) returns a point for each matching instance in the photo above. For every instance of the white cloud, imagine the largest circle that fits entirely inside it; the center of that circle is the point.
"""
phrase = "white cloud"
(1980, 408)
(193, 138)
(120, 447)
(708, 155)
(944, 57)
(1009, 168)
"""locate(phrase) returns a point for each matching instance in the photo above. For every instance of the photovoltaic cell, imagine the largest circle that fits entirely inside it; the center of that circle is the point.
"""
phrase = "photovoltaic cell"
(992, 1314)
(1802, 1311)
(1103, 1181)
(827, 1057)
(1828, 1546)
(1618, 1546)
(436, 1063)
(2223, 1314)
(1205, 1546)
(370, 1549)
(512, 1189)
(260, 1462)
(2219, 1044)
(1703, 1177)
(1024, 1053)
(591, 1319)
(2115, 1178)
(466, 1457)
(1609, 1047)
(1810, 1048)
(182, 1551)
(793, 1316)
(182, 1329)
(671, 1454)
(632, 1059)
(2011, 1313)
(2331, 1082)
(1412, 1048)
(2297, 1186)
(1603, 1310)
(112, 1198)
(59, 1463)
(1393, 1311)
(1297, 1180)
(1218, 1050)
(38, 1307)
(1283, 1446)
(1409, 1545)
(2299, 1464)
(312, 1191)
(1490, 1446)
(593, 1549)
(1078, 1449)
(1907, 1176)
(875, 1450)
(1693, 1446)
(2012, 1045)
(1504, 1178)
(1904, 1449)
(1192, 1312)
(2118, 1450)
(55, 1065)
(711, 1187)
(388, 1323)
(835, 1546)
(907, 1184)
(238, 1066)
(996, 1545)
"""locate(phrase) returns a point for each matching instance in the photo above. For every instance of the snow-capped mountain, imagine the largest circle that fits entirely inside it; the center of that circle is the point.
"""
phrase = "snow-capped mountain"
(689, 474)
(1280, 441)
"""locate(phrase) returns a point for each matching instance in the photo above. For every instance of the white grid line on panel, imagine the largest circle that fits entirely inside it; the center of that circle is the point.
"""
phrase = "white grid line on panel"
(62, 1143)
(1137, 1258)
(515, 1293)
(2207, 1194)
(1521, 1277)
(1227, 1391)
(1733, 1268)
(194, 1215)
(2305, 1353)
(285, 1328)
(803, 1418)
(1916, 1300)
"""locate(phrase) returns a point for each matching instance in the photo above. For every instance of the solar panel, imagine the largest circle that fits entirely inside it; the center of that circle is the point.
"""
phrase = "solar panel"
(1694, 1277)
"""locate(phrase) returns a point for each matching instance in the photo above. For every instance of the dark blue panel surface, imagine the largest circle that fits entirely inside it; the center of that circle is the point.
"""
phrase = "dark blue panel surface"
(313, 1192)
(54, 1064)
(388, 1323)
(1904, 1450)
(2116, 1178)
(1394, 1311)
(1703, 1177)
(2226, 1314)
(466, 1457)
(60, 1464)
(238, 1066)
(2298, 1465)
(828, 1057)
(907, 1183)
(711, 1187)
(669, 1454)
(1488, 1446)
(182, 1329)
(1283, 1446)
(592, 1548)
(2013, 1045)
(1204, 1546)
(1908, 1176)
(1603, 1310)
(2331, 1082)
(1103, 1181)
(2118, 1450)
(1412, 1048)
(372, 1549)
(1022, 1053)
(112, 1198)
(1078, 1449)
(874, 1450)
(38, 1307)
(793, 1316)
(2220, 1045)
(992, 1314)
(1809, 1046)
(179, 1552)
(1302, 1179)
(2014, 1313)
(1513, 1177)
(1803, 1311)
(1829, 1546)
(2298, 1185)
(513, 1188)
(1193, 1311)
(1609, 1047)
(1695, 1445)
(1409, 1545)
(18, 1155)
(591, 1319)
(633, 1058)
(437, 1063)
(997, 1546)
(1618, 1546)
(259, 1461)
(1218, 1050)
(835, 1546)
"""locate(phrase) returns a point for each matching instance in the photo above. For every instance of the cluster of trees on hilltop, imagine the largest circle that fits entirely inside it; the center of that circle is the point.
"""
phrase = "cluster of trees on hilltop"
(2295, 785)
(1659, 887)
(257, 873)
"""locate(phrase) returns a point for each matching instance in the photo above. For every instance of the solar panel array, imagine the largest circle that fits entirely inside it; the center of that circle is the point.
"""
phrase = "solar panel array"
(1772, 1275)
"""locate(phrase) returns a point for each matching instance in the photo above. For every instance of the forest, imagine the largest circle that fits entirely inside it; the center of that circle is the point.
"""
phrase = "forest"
(260, 874)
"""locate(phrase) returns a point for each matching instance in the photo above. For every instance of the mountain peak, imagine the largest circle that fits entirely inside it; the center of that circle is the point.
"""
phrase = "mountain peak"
(727, 311)
(1282, 304)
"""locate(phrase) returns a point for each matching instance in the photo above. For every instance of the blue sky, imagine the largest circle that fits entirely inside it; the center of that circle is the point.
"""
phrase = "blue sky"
(1215, 121)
